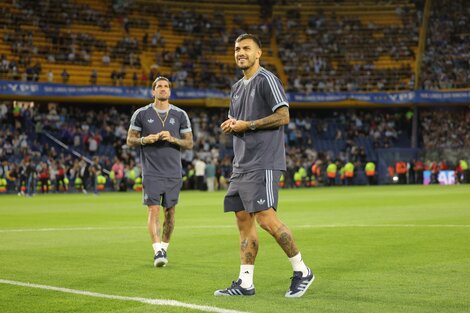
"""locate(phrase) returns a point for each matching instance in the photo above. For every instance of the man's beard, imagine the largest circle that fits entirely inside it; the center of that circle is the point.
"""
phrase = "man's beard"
(245, 67)
(162, 98)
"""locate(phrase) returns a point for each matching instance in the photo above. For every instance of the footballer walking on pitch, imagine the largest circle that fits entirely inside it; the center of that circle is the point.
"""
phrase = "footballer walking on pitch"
(161, 130)
(258, 111)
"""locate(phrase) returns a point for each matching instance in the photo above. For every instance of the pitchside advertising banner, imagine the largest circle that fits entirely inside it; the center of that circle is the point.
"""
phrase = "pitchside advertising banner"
(444, 177)
(62, 90)
(13, 88)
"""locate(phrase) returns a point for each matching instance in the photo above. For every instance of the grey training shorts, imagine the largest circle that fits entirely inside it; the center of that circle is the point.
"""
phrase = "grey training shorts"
(161, 191)
(253, 191)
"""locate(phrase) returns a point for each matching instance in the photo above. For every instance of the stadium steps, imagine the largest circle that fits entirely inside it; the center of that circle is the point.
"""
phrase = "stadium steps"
(385, 62)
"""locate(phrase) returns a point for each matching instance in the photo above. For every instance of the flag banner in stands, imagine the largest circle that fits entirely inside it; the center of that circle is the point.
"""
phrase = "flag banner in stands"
(13, 88)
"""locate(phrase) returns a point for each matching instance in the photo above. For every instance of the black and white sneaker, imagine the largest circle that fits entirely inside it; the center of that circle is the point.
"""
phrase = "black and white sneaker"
(236, 290)
(160, 259)
(299, 284)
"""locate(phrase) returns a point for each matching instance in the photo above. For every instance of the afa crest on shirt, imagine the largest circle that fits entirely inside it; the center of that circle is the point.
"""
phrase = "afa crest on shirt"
(235, 97)
(172, 121)
(252, 93)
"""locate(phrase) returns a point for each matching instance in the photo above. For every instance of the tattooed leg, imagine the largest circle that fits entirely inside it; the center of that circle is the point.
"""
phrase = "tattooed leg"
(269, 221)
(153, 223)
(248, 237)
(168, 224)
(284, 238)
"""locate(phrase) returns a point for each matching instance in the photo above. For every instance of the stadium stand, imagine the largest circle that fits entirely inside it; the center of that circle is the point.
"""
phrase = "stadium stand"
(348, 46)
(190, 42)
(446, 62)
(313, 46)
(128, 45)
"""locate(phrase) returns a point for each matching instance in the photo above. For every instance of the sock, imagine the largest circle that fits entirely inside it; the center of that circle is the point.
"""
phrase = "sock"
(157, 246)
(165, 245)
(298, 264)
(246, 275)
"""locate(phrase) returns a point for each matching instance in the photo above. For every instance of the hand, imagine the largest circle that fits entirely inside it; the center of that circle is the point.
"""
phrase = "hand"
(165, 135)
(151, 138)
(240, 126)
(226, 125)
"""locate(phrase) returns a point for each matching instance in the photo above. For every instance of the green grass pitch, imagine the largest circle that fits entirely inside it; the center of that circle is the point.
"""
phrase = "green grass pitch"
(373, 249)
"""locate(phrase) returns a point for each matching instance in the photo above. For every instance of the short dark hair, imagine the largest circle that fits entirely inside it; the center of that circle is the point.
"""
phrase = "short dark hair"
(159, 78)
(249, 36)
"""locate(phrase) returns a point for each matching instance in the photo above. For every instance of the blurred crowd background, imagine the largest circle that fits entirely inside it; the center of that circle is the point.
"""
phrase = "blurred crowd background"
(312, 46)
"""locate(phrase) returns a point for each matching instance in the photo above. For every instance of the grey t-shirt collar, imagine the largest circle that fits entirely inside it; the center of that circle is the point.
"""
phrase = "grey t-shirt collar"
(247, 81)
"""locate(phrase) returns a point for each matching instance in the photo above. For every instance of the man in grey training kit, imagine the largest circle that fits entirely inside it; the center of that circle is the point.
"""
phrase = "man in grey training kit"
(258, 111)
(161, 130)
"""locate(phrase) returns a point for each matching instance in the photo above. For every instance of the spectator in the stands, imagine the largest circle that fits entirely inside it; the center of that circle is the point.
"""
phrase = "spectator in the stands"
(65, 76)
(93, 77)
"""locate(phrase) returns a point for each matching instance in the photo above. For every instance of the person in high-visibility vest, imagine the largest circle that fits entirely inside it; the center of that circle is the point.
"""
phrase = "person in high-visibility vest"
(370, 172)
(317, 172)
(130, 175)
(298, 178)
(138, 184)
(101, 182)
(418, 167)
(78, 184)
(401, 170)
(3, 185)
(282, 181)
(314, 170)
(66, 182)
(331, 170)
(434, 173)
(349, 172)
(465, 171)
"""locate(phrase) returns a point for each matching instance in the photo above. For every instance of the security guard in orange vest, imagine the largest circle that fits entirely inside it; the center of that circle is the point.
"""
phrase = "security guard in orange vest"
(401, 169)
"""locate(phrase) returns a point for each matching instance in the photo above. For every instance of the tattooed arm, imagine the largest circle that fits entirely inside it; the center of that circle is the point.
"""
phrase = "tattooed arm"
(186, 142)
(133, 138)
(279, 118)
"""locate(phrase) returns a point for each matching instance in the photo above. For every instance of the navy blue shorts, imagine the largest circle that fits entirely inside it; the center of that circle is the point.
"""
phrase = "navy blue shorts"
(253, 191)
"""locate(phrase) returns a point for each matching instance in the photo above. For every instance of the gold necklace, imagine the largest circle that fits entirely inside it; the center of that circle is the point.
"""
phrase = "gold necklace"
(163, 120)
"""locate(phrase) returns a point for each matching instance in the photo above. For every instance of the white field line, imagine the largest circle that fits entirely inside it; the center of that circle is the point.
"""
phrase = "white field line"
(162, 302)
(385, 226)
(20, 230)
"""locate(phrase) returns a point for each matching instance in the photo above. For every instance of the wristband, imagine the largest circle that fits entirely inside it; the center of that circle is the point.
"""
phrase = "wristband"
(142, 141)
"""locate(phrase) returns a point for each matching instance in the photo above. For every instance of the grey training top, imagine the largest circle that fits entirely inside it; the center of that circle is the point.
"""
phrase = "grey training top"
(253, 99)
(161, 159)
